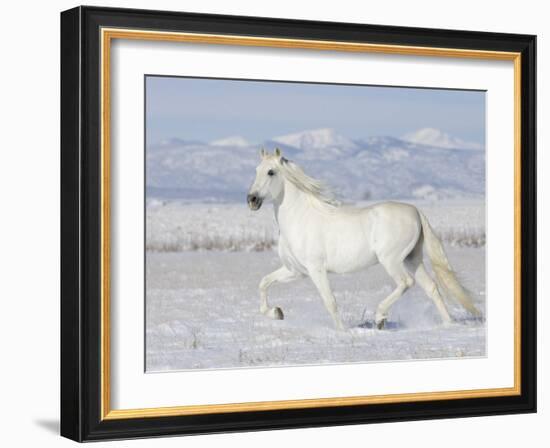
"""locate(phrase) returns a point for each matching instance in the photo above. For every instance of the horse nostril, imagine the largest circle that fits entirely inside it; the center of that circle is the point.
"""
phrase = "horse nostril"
(252, 198)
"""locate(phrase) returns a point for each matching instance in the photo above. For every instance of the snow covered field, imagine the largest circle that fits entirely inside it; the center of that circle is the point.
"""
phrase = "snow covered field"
(178, 226)
(204, 263)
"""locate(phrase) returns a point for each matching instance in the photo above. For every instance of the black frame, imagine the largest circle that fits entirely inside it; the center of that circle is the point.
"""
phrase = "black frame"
(80, 224)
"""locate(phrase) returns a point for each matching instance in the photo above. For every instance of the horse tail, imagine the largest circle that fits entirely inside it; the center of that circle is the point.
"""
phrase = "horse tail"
(444, 274)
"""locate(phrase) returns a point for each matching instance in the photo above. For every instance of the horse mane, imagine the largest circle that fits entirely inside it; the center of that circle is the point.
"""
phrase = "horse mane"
(307, 184)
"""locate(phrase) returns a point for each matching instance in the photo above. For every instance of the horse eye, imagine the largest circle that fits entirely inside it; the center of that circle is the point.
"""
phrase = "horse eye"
(271, 173)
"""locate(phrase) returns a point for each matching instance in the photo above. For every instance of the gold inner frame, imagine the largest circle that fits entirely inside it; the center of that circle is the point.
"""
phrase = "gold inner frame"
(107, 35)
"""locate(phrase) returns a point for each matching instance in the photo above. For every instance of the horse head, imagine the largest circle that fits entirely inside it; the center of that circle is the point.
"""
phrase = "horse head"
(269, 181)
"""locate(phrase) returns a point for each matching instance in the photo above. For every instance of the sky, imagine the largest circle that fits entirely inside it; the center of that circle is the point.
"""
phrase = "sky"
(210, 109)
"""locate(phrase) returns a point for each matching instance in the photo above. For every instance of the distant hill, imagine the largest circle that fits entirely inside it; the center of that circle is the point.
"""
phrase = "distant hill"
(423, 165)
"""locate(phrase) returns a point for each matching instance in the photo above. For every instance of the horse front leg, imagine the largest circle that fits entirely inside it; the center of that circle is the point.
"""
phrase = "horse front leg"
(281, 275)
(319, 278)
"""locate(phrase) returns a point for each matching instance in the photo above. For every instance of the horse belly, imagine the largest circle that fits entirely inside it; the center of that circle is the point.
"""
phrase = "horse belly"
(348, 249)
(350, 261)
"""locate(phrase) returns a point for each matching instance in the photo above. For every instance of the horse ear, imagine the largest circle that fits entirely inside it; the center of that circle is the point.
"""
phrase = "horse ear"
(263, 153)
(278, 153)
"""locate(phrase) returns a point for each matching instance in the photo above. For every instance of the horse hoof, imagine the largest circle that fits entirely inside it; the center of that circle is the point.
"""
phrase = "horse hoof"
(276, 313)
(381, 324)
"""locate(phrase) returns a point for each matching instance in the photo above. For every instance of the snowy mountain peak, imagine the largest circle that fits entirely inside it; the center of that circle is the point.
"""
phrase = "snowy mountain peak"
(315, 139)
(175, 141)
(440, 139)
(234, 140)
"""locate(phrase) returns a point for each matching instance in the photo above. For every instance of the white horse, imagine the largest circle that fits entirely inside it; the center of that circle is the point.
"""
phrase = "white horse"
(319, 236)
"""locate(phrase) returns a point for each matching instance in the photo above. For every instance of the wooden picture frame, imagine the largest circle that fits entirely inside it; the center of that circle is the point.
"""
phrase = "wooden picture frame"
(86, 35)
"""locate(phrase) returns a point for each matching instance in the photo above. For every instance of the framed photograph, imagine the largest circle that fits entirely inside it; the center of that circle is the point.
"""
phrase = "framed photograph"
(273, 223)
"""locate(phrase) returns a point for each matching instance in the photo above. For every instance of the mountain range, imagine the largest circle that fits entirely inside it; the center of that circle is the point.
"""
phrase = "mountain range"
(427, 164)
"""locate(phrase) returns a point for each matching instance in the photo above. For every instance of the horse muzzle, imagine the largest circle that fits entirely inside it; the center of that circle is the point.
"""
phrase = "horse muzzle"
(254, 201)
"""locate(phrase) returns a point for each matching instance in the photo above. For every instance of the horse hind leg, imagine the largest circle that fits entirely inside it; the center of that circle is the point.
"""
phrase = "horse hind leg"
(281, 275)
(403, 280)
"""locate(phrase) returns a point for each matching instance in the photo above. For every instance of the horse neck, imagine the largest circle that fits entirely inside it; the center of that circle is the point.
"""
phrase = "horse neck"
(292, 202)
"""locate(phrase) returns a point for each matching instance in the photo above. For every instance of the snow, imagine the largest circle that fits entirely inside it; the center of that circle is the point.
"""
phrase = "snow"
(436, 138)
(315, 139)
(203, 266)
(235, 140)
(203, 313)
